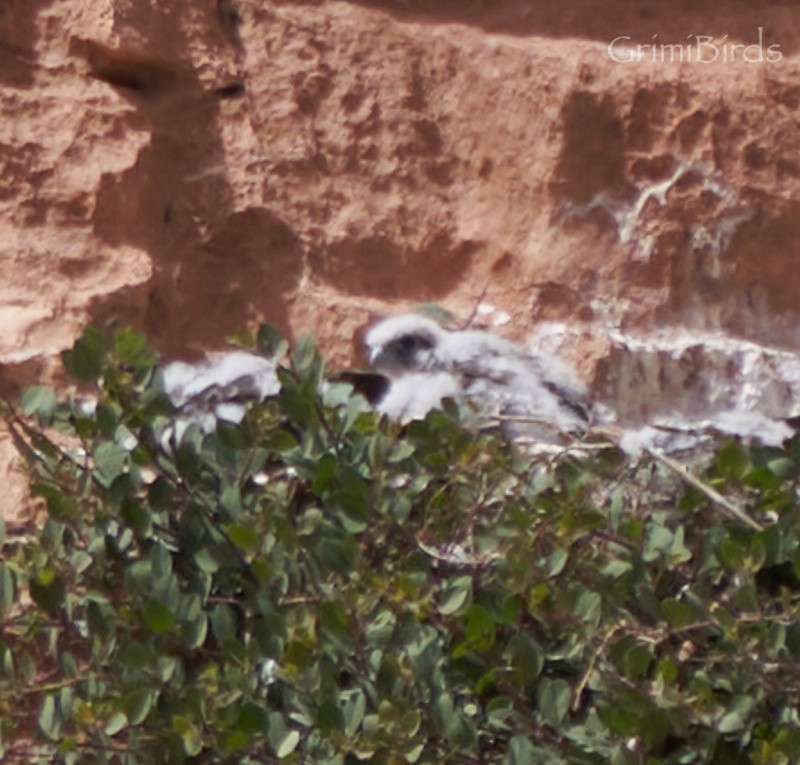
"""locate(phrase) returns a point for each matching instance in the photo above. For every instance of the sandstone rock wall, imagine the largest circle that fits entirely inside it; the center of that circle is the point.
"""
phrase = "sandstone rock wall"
(194, 166)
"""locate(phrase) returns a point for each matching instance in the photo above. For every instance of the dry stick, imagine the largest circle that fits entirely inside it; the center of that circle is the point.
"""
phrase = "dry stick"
(530, 419)
(704, 488)
(468, 323)
(576, 703)
(614, 436)
(679, 470)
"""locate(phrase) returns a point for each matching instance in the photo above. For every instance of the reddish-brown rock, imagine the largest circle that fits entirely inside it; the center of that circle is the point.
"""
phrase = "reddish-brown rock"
(193, 167)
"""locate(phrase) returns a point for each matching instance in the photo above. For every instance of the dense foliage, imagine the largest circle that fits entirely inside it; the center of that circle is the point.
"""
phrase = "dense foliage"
(318, 585)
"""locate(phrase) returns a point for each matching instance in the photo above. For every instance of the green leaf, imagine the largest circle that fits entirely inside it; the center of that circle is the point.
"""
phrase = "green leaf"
(782, 467)
(617, 568)
(234, 436)
(336, 394)
(401, 451)
(732, 553)
(354, 499)
(354, 705)
(189, 733)
(60, 506)
(206, 561)
(526, 659)
(553, 698)
(589, 607)
(66, 701)
(522, 752)
(252, 719)
(138, 704)
(108, 416)
(731, 723)
(678, 552)
(39, 401)
(137, 517)
(617, 716)
(245, 537)
(659, 541)
(761, 478)
(167, 665)
(110, 460)
(48, 590)
(160, 493)
(131, 349)
(158, 618)
(223, 623)
(324, 474)
(557, 561)
(667, 670)
(443, 711)
(288, 744)
(116, 723)
(456, 595)
(237, 740)
(678, 614)
(86, 358)
(69, 664)
(7, 668)
(499, 710)
(732, 460)
(282, 739)
(305, 354)
(479, 628)
(379, 630)
(356, 406)
(451, 722)
(49, 720)
(637, 661)
(8, 590)
(270, 342)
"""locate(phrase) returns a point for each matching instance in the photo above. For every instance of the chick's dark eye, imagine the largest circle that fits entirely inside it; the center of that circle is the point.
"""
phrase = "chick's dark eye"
(415, 343)
(407, 346)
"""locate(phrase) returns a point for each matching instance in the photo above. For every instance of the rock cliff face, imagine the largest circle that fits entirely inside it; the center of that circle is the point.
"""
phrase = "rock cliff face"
(192, 167)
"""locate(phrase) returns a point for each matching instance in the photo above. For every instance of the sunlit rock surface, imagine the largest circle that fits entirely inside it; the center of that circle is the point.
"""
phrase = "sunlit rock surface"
(192, 168)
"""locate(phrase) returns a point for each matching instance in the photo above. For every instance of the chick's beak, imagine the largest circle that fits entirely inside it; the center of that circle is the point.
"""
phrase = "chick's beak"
(382, 360)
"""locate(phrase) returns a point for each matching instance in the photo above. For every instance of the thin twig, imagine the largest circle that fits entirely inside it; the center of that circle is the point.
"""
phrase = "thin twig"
(593, 662)
(468, 323)
(14, 420)
(704, 488)
(47, 687)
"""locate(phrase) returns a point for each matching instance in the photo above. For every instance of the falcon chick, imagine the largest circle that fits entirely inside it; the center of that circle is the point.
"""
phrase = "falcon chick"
(536, 397)
(218, 388)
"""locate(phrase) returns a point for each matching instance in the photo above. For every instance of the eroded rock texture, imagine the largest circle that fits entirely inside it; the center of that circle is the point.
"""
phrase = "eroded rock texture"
(192, 167)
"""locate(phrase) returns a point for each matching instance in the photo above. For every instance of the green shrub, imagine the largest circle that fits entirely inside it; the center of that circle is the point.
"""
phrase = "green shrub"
(318, 585)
